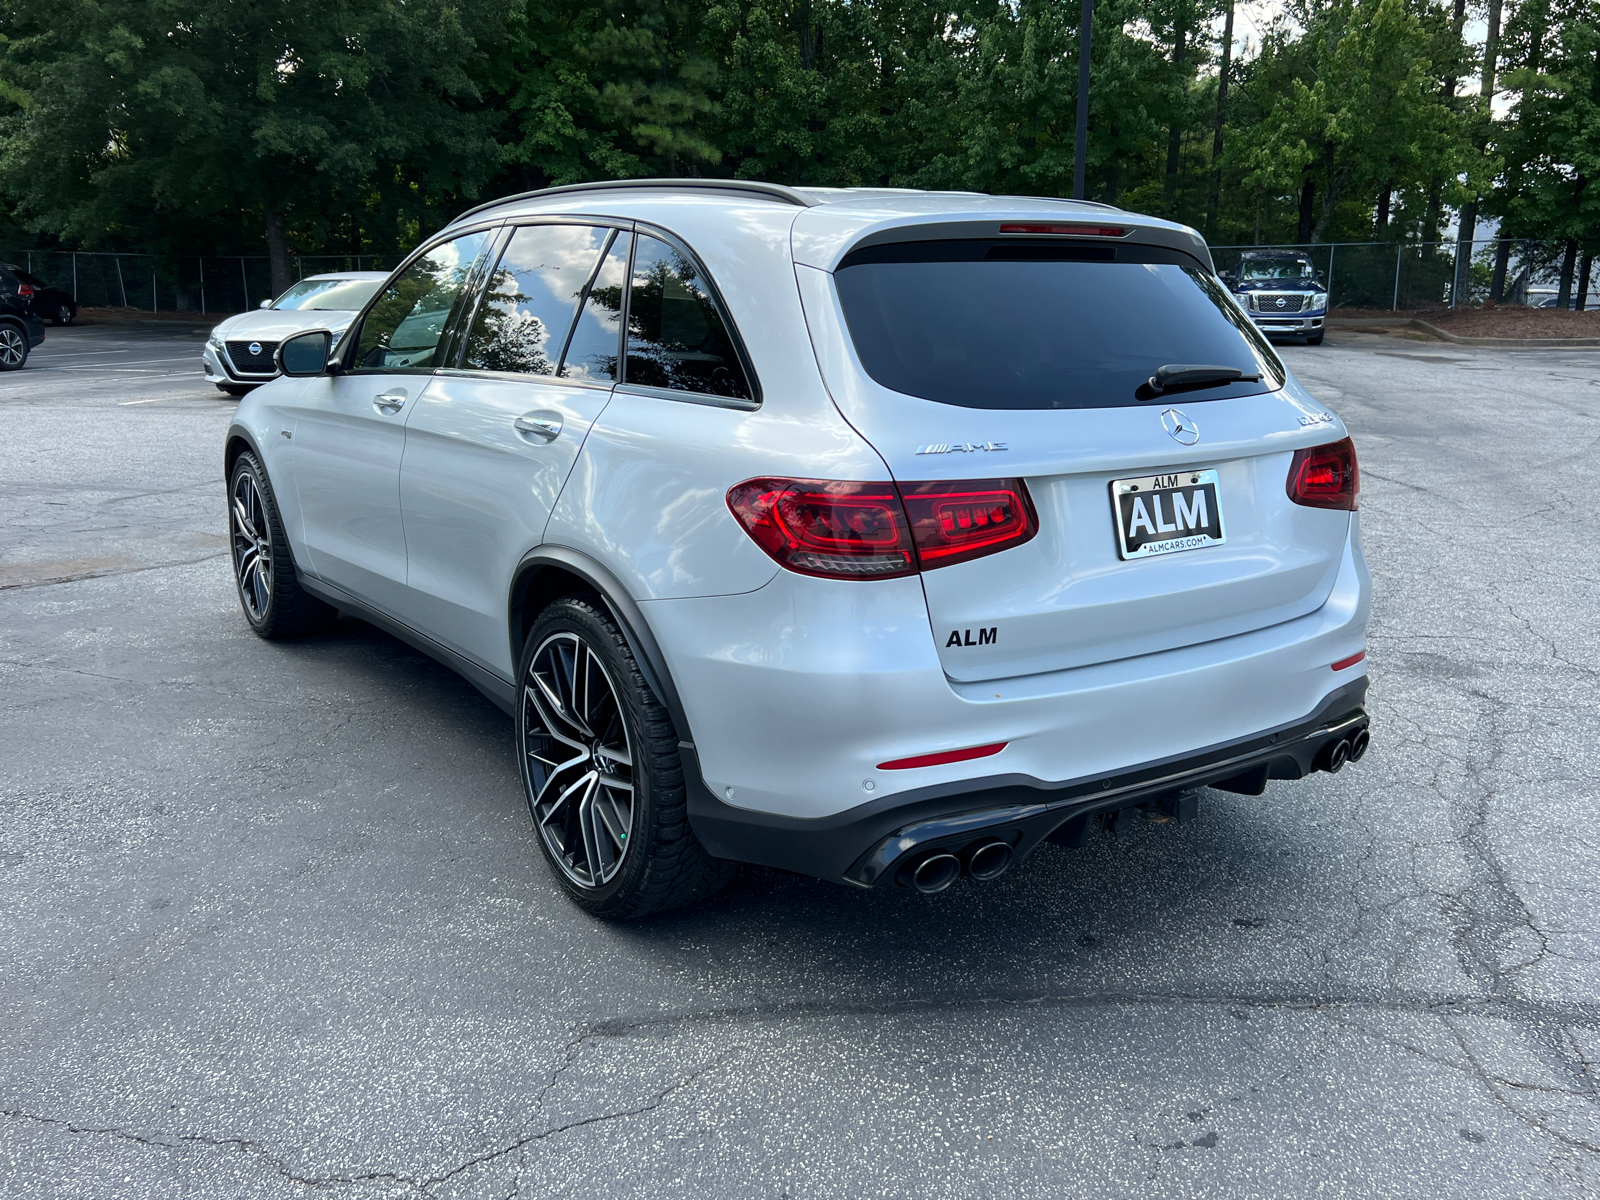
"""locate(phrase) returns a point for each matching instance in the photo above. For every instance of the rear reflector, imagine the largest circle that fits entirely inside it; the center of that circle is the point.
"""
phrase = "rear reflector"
(838, 529)
(1326, 476)
(1115, 231)
(944, 756)
(1349, 662)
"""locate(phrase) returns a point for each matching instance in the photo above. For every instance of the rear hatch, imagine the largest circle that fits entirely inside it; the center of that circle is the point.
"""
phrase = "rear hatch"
(1161, 514)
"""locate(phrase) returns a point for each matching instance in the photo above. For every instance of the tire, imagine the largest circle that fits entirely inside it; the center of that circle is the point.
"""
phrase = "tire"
(236, 389)
(13, 347)
(64, 315)
(274, 603)
(601, 771)
(1313, 339)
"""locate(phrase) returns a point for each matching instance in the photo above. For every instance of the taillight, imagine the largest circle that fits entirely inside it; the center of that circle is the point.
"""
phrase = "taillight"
(24, 289)
(820, 527)
(844, 530)
(953, 522)
(1326, 476)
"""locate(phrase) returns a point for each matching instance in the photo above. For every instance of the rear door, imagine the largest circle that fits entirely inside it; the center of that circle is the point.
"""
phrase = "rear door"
(996, 359)
(490, 444)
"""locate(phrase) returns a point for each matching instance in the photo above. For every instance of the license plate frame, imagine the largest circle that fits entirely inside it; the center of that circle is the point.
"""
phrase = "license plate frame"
(1174, 527)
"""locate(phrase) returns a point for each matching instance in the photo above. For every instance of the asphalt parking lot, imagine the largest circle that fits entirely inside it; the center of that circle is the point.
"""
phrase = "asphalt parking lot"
(275, 923)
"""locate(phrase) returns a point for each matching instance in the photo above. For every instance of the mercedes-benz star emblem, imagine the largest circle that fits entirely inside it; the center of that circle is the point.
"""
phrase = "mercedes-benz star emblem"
(1180, 427)
(255, 349)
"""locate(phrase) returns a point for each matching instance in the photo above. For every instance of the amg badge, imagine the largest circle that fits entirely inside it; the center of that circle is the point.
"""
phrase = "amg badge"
(960, 447)
(986, 637)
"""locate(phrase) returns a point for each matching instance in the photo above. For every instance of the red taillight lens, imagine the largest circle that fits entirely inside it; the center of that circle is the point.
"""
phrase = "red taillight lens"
(954, 522)
(834, 529)
(24, 289)
(843, 530)
(1326, 476)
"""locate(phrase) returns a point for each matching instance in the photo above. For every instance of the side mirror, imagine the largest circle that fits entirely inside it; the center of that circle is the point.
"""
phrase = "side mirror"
(265, 304)
(304, 353)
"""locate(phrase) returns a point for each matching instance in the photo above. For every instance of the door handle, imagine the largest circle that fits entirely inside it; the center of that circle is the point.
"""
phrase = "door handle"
(390, 402)
(541, 423)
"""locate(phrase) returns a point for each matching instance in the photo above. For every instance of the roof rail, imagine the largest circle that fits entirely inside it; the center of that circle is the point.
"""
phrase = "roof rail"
(750, 187)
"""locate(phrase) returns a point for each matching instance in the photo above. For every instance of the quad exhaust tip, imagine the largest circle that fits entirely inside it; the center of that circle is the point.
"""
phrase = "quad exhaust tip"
(1335, 754)
(938, 869)
(989, 860)
(934, 873)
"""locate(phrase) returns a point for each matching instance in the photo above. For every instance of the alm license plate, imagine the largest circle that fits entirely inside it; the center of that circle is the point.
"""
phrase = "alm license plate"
(1164, 514)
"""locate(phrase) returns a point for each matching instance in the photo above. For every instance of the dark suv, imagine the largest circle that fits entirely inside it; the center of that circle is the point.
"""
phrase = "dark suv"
(1283, 293)
(20, 330)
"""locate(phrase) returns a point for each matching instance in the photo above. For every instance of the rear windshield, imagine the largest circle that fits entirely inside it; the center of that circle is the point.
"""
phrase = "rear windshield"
(992, 324)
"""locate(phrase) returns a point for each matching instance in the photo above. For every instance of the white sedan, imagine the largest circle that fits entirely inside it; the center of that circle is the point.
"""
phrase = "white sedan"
(238, 354)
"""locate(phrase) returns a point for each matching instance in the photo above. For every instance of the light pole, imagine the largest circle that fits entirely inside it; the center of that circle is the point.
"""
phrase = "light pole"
(1085, 36)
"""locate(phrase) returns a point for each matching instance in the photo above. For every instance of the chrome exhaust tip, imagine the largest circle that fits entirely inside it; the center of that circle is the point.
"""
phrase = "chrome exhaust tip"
(933, 873)
(989, 861)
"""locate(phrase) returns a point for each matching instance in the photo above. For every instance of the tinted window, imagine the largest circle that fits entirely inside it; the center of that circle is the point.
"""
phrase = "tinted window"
(336, 295)
(676, 337)
(531, 298)
(592, 353)
(985, 324)
(401, 332)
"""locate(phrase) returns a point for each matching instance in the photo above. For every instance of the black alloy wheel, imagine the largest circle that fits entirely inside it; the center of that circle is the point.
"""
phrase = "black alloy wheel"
(64, 315)
(601, 770)
(13, 348)
(263, 565)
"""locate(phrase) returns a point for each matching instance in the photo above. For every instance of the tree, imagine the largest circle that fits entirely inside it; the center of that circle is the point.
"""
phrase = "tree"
(1553, 67)
(141, 125)
(1347, 108)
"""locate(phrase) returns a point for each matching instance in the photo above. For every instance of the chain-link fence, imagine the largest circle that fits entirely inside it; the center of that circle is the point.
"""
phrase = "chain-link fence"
(203, 284)
(1366, 275)
(1413, 276)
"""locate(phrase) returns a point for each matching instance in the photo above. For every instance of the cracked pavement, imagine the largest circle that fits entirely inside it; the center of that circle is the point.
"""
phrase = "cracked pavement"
(276, 925)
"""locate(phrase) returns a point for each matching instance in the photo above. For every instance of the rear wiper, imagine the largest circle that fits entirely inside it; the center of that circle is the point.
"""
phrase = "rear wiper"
(1193, 375)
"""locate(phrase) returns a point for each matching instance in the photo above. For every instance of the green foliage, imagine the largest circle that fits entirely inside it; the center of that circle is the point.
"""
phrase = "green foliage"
(360, 125)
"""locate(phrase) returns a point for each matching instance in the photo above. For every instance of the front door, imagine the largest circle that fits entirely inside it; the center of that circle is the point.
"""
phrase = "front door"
(350, 428)
(489, 445)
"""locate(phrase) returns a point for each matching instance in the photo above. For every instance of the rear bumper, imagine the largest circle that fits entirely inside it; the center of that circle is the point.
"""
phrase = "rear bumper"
(865, 846)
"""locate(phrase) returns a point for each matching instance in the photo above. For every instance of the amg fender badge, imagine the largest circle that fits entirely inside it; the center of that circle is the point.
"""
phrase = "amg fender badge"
(960, 447)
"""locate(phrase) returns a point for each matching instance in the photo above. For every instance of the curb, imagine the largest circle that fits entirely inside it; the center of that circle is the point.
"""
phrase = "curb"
(1457, 339)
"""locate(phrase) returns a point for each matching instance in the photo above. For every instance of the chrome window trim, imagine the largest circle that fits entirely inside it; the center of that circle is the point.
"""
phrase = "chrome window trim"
(705, 398)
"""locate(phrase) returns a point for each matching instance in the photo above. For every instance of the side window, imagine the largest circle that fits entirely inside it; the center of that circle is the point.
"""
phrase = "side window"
(401, 331)
(676, 338)
(531, 297)
(592, 353)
